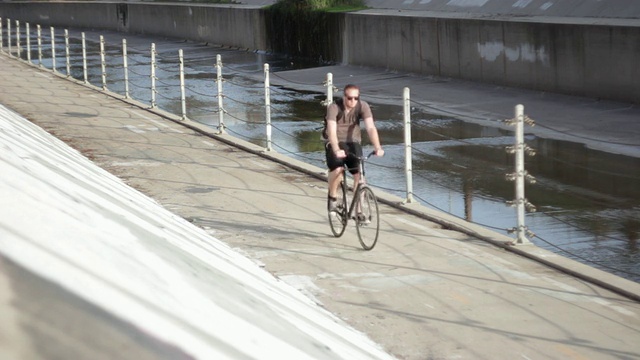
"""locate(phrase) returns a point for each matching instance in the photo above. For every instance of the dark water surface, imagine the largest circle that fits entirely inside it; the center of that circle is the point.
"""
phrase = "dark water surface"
(588, 201)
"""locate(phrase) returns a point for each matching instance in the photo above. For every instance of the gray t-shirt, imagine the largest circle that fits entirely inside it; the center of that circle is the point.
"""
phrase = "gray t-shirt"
(348, 125)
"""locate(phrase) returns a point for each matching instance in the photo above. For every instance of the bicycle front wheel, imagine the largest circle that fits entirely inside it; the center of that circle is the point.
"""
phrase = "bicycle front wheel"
(367, 218)
(338, 216)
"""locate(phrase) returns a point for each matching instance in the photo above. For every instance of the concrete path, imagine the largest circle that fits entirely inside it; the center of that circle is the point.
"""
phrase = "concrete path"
(425, 292)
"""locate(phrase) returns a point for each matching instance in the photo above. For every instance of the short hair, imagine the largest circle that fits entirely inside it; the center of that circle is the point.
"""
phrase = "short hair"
(350, 87)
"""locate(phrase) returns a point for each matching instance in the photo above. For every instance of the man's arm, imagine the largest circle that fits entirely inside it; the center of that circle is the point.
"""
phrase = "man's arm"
(373, 135)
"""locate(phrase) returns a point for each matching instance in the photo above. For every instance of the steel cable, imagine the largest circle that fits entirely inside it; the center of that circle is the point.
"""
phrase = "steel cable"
(295, 82)
(578, 227)
(453, 114)
(420, 105)
(254, 87)
(573, 134)
(238, 101)
(242, 71)
(585, 259)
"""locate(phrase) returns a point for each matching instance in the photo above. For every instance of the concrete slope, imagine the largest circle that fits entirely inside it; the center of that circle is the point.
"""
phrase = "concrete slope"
(88, 264)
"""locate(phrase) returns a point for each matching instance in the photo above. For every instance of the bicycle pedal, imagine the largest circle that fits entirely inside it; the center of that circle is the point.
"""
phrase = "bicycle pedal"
(362, 220)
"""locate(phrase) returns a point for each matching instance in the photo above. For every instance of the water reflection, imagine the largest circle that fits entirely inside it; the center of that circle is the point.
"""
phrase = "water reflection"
(588, 201)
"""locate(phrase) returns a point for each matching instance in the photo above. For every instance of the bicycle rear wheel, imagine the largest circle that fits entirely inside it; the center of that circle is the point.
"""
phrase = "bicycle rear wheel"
(338, 218)
(367, 218)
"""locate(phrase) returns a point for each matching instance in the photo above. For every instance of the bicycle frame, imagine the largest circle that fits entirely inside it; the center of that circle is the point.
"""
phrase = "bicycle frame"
(363, 209)
(361, 182)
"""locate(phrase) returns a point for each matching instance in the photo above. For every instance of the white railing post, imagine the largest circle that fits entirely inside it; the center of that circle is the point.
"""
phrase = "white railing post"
(53, 49)
(406, 99)
(39, 29)
(220, 95)
(183, 99)
(153, 75)
(267, 105)
(125, 68)
(329, 84)
(520, 210)
(66, 52)
(520, 175)
(103, 64)
(28, 42)
(9, 35)
(84, 59)
(18, 37)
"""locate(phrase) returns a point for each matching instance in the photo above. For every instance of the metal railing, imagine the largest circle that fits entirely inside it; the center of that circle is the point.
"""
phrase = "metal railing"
(134, 72)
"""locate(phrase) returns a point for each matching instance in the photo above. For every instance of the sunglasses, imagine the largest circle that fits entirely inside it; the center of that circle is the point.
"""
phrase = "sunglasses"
(356, 98)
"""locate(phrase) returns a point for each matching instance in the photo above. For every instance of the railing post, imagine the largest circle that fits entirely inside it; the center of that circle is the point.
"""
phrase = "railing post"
(66, 52)
(9, 35)
(84, 59)
(329, 84)
(408, 167)
(220, 102)
(153, 75)
(267, 105)
(28, 42)
(125, 68)
(103, 64)
(183, 99)
(1, 31)
(39, 29)
(18, 37)
(520, 210)
(520, 175)
(53, 49)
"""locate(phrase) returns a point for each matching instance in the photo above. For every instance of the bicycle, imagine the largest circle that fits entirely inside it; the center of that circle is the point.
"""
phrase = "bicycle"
(363, 209)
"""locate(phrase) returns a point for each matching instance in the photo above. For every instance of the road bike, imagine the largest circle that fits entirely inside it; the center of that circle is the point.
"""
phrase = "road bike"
(363, 209)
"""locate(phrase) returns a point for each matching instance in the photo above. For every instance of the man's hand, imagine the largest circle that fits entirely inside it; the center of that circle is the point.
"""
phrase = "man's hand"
(379, 152)
(340, 154)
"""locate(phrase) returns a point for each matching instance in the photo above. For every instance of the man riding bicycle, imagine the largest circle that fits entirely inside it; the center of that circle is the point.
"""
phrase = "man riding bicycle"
(343, 137)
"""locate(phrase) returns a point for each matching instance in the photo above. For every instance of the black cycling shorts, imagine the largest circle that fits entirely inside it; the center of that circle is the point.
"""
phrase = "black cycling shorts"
(353, 150)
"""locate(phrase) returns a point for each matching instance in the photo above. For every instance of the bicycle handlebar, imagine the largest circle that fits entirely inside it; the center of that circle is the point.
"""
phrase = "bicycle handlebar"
(362, 157)
(370, 155)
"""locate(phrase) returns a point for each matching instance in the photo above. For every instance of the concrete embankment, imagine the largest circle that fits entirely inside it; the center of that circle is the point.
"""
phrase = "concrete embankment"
(583, 56)
(110, 274)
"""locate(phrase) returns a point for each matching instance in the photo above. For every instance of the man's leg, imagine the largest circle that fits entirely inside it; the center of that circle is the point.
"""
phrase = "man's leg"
(335, 176)
(355, 150)
(356, 181)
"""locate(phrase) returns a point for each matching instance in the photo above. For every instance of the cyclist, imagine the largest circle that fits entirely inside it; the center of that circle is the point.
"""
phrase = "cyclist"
(343, 137)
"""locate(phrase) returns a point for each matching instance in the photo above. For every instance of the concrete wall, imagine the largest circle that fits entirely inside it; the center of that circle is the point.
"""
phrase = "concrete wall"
(601, 61)
(235, 27)
(594, 9)
(87, 15)
(585, 58)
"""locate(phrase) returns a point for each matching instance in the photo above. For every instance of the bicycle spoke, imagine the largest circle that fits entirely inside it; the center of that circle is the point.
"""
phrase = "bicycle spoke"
(367, 218)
